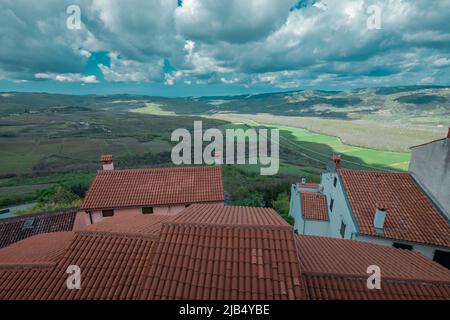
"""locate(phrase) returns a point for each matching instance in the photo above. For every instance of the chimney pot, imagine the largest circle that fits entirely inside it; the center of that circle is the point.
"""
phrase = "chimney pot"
(107, 162)
(337, 160)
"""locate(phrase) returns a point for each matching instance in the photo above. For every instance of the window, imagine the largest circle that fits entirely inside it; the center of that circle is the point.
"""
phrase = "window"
(147, 210)
(331, 205)
(442, 257)
(402, 246)
(107, 213)
(342, 231)
(335, 182)
(28, 224)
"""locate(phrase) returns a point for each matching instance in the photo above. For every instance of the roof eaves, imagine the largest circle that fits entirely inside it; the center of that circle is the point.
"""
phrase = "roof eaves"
(150, 205)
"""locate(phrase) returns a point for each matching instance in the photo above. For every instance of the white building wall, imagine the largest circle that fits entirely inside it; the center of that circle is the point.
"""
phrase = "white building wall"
(316, 228)
(302, 226)
(160, 210)
(427, 251)
(341, 210)
(430, 166)
(295, 209)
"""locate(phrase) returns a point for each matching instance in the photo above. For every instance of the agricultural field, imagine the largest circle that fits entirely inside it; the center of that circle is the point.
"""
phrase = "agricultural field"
(319, 148)
(380, 135)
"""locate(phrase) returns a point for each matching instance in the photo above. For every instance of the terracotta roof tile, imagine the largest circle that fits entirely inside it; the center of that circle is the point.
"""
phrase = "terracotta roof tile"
(314, 206)
(308, 185)
(106, 158)
(336, 269)
(44, 248)
(330, 287)
(223, 262)
(111, 268)
(246, 256)
(410, 214)
(339, 256)
(128, 224)
(161, 186)
(15, 229)
(230, 215)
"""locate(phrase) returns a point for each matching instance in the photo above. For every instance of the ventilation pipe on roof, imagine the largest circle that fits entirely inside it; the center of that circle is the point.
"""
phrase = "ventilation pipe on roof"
(107, 162)
(380, 217)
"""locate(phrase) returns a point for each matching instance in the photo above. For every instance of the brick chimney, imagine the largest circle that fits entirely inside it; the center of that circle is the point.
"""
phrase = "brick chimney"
(337, 160)
(107, 162)
(448, 133)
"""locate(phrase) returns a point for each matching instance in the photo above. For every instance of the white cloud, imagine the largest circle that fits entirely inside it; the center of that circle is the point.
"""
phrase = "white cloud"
(255, 41)
(67, 77)
(442, 62)
(121, 70)
(427, 80)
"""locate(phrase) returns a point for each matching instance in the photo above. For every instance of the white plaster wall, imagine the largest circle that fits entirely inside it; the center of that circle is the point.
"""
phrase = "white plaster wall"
(427, 251)
(160, 210)
(295, 211)
(317, 228)
(341, 211)
(430, 165)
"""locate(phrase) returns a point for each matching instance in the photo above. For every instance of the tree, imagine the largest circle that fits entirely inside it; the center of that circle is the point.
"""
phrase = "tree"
(282, 205)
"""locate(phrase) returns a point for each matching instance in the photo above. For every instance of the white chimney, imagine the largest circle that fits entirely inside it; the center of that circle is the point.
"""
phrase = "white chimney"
(107, 162)
(380, 217)
(303, 180)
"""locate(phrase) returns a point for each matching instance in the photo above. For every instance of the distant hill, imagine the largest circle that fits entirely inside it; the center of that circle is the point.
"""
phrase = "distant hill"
(423, 105)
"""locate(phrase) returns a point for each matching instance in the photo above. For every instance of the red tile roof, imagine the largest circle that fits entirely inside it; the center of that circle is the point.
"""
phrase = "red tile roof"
(308, 185)
(336, 269)
(111, 268)
(230, 215)
(241, 258)
(220, 262)
(148, 187)
(130, 224)
(410, 214)
(331, 287)
(12, 229)
(106, 158)
(314, 206)
(44, 248)
(348, 257)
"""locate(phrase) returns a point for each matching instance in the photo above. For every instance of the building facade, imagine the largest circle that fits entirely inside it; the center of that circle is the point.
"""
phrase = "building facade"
(159, 191)
(383, 208)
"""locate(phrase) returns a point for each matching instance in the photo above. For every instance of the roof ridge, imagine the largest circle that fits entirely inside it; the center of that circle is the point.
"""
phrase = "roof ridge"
(225, 225)
(159, 168)
(116, 234)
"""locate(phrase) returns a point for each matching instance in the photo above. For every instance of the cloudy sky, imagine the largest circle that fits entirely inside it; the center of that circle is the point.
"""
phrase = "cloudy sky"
(214, 47)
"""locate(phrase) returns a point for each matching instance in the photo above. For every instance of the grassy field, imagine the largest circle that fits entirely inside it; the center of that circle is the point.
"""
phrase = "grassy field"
(321, 147)
(373, 134)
